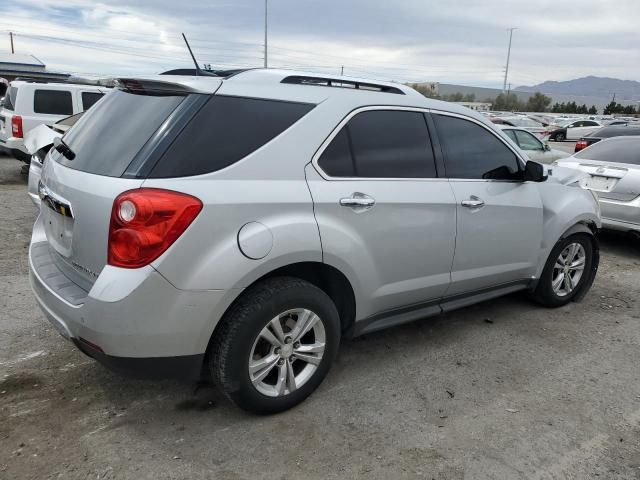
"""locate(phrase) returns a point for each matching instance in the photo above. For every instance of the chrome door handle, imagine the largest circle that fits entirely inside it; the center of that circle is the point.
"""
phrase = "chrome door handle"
(359, 202)
(473, 202)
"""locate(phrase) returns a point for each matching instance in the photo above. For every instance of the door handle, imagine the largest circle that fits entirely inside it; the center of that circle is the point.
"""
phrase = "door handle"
(359, 202)
(473, 202)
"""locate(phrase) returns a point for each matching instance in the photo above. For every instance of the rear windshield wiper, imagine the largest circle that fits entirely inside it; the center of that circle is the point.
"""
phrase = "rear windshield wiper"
(63, 148)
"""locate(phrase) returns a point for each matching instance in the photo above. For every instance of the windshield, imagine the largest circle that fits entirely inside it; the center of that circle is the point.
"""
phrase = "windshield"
(109, 135)
(615, 150)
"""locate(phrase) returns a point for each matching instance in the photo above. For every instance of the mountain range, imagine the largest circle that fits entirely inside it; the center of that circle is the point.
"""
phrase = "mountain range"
(600, 87)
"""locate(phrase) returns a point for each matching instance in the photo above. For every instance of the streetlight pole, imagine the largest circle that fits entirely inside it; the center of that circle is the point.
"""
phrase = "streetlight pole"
(506, 69)
(266, 63)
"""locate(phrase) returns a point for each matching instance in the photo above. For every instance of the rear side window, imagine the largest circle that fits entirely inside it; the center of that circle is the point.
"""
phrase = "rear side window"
(89, 98)
(381, 144)
(108, 136)
(10, 98)
(616, 150)
(224, 131)
(474, 152)
(52, 102)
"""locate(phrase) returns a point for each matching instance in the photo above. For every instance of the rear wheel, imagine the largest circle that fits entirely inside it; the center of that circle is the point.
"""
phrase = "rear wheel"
(275, 345)
(560, 137)
(566, 273)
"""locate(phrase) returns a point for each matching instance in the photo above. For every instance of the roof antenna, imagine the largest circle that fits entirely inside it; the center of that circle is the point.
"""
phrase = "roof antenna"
(192, 56)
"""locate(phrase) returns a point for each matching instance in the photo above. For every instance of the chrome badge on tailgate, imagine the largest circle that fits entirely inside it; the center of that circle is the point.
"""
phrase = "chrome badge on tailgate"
(54, 202)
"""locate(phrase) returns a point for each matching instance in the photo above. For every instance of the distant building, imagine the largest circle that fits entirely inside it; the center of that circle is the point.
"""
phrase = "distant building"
(477, 106)
(13, 65)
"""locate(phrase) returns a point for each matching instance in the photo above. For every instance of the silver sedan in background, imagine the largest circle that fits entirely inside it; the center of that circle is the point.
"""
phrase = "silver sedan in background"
(613, 166)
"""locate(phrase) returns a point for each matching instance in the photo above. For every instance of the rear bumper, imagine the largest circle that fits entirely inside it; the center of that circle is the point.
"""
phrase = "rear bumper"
(13, 143)
(624, 216)
(187, 367)
(131, 321)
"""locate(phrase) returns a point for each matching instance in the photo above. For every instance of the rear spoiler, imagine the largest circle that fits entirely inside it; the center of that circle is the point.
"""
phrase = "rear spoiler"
(155, 86)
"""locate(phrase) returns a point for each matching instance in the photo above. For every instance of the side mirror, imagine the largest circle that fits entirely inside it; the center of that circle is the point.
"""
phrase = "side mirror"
(534, 172)
(547, 148)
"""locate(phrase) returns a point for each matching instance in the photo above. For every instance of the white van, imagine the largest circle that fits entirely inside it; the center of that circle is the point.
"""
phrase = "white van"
(28, 104)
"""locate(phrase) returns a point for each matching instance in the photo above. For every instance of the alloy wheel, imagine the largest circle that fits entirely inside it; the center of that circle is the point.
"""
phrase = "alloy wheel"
(287, 352)
(568, 269)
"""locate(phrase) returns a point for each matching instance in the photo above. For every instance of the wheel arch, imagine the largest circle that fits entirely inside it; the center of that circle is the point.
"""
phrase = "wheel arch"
(326, 277)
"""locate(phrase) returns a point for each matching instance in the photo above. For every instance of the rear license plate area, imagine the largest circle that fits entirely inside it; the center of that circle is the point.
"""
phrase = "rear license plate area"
(599, 183)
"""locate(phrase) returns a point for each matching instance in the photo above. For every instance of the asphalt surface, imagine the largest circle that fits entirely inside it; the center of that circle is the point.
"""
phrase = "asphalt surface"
(501, 390)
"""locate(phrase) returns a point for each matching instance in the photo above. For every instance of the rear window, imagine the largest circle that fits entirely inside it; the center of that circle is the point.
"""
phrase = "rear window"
(10, 98)
(617, 150)
(224, 131)
(52, 102)
(109, 135)
(89, 98)
(616, 132)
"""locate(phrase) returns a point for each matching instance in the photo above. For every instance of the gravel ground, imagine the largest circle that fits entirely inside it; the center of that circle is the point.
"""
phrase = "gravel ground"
(501, 390)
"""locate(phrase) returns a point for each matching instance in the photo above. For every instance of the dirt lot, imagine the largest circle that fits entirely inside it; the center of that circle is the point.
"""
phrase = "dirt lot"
(502, 390)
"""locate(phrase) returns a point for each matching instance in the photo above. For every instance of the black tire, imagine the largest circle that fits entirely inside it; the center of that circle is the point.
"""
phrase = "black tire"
(20, 155)
(544, 293)
(560, 137)
(234, 338)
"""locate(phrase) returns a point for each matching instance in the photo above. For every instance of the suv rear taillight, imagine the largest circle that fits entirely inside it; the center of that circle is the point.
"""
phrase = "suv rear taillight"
(145, 222)
(16, 126)
(580, 145)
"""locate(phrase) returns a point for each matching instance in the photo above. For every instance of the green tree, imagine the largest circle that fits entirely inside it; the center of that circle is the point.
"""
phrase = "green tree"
(593, 110)
(507, 103)
(538, 103)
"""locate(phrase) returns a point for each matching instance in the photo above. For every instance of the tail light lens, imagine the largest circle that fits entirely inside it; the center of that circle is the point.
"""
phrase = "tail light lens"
(16, 126)
(147, 221)
(580, 145)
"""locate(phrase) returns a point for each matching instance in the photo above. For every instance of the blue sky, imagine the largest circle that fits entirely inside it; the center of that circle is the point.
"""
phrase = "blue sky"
(454, 41)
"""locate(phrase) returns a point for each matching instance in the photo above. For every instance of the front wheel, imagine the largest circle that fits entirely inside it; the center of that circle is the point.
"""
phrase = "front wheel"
(560, 137)
(275, 345)
(568, 273)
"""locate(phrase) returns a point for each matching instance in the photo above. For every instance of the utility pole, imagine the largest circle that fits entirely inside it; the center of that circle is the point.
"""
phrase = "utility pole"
(506, 69)
(266, 63)
(11, 38)
(342, 70)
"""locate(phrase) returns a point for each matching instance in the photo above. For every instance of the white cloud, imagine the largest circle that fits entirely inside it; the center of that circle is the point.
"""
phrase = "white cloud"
(457, 41)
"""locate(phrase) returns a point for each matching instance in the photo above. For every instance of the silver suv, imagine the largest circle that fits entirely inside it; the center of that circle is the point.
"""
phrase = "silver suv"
(238, 227)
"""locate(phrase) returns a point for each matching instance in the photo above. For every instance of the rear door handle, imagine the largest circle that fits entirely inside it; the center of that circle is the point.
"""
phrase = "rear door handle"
(473, 202)
(358, 202)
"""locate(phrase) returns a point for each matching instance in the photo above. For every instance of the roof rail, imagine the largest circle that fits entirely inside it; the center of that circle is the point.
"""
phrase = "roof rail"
(339, 83)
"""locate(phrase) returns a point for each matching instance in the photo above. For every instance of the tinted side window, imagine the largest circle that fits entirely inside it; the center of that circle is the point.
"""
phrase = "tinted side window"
(224, 131)
(53, 102)
(474, 152)
(391, 144)
(381, 144)
(89, 98)
(337, 160)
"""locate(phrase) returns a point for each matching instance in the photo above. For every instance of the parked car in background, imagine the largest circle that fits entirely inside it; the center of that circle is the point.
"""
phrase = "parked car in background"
(523, 122)
(614, 123)
(613, 166)
(233, 227)
(606, 132)
(535, 149)
(38, 142)
(29, 104)
(573, 130)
